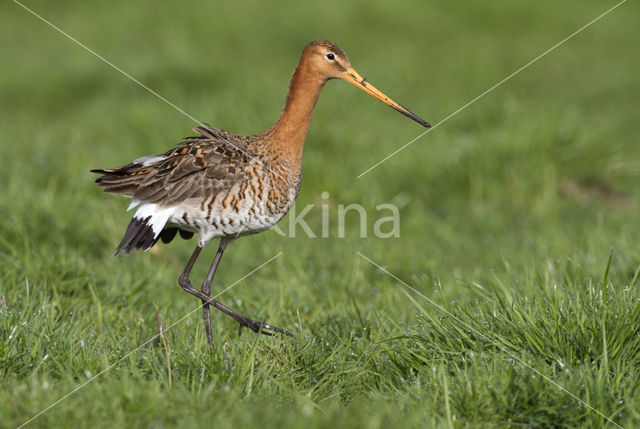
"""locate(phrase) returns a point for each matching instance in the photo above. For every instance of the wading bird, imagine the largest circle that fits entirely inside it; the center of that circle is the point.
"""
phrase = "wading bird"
(222, 185)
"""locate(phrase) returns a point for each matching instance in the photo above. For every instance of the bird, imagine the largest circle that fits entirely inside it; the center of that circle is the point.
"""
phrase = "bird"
(221, 185)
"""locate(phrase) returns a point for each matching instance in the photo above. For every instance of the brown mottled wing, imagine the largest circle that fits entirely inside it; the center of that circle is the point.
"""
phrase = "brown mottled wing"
(209, 163)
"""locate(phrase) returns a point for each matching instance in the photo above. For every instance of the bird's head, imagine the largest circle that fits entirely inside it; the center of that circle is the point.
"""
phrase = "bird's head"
(326, 60)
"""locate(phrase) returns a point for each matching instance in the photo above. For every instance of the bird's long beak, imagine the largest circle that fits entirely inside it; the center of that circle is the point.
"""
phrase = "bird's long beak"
(354, 78)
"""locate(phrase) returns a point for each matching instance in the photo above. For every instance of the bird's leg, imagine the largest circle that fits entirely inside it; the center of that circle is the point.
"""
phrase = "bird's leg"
(242, 320)
(185, 283)
(206, 288)
(184, 277)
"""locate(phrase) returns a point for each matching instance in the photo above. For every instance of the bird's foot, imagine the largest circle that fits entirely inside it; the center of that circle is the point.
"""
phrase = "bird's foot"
(260, 327)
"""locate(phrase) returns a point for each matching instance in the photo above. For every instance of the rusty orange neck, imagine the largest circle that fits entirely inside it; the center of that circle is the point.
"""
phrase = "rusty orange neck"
(290, 130)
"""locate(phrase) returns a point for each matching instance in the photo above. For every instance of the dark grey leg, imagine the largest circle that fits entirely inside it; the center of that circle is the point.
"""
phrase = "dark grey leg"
(206, 288)
(242, 320)
(205, 296)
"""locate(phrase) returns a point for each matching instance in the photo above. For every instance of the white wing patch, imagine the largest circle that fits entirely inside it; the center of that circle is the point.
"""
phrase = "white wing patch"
(148, 160)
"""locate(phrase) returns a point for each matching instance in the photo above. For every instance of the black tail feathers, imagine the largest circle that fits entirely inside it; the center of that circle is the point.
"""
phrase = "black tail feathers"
(139, 235)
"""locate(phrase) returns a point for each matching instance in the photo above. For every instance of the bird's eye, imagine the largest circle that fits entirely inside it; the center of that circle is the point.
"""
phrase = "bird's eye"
(331, 57)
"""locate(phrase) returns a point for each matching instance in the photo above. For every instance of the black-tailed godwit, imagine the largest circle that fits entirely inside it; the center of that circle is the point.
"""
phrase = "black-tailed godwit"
(222, 185)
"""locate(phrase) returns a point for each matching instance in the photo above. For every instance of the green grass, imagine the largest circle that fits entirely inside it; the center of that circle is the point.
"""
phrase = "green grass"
(519, 217)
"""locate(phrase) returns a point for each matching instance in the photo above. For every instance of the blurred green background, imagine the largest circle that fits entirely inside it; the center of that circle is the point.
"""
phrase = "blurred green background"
(525, 192)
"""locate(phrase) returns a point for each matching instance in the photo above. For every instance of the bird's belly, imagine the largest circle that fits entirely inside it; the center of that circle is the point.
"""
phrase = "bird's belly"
(213, 220)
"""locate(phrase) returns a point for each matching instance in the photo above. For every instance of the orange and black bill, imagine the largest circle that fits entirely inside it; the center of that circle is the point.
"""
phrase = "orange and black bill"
(354, 78)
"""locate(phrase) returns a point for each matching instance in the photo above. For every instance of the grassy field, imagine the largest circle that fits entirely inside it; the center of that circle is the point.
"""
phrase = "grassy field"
(519, 219)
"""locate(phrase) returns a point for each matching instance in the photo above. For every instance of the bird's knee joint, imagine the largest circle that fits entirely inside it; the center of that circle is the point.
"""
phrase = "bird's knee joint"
(184, 282)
